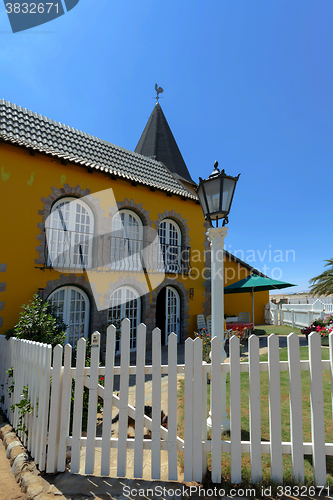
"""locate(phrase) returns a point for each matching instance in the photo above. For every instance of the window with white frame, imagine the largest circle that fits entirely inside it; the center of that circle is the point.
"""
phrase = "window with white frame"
(73, 307)
(70, 231)
(126, 241)
(125, 303)
(170, 246)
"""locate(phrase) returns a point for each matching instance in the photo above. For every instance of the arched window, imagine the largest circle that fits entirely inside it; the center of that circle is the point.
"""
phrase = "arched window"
(70, 230)
(126, 241)
(73, 304)
(125, 303)
(170, 246)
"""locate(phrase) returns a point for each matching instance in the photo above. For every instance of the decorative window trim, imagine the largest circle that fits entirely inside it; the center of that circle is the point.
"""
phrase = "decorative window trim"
(132, 282)
(71, 279)
(131, 205)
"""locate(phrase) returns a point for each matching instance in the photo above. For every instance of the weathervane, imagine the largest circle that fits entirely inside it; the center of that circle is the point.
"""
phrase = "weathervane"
(159, 90)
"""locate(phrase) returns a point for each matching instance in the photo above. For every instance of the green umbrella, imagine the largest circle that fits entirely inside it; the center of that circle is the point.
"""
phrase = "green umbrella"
(255, 283)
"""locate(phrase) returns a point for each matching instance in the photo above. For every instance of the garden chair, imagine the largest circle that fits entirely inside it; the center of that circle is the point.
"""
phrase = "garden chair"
(244, 316)
(201, 323)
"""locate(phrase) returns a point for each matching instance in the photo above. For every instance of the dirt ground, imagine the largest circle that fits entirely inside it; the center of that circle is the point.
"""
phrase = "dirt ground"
(9, 489)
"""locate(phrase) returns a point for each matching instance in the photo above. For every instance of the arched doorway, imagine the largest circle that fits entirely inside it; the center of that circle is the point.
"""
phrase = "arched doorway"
(168, 313)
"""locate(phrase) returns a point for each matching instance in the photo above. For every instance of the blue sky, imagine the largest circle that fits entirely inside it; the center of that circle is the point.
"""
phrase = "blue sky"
(246, 82)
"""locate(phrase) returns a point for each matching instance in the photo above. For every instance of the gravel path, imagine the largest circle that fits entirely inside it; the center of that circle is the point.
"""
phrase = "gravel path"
(9, 488)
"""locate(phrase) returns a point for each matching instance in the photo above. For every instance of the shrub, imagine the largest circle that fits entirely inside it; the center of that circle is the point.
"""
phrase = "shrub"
(39, 322)
(322, 326)
(206, 340)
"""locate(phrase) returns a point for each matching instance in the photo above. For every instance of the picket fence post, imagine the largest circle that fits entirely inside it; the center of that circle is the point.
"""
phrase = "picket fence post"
(65, 401)
(331, 365)
(92, 403)
(216, 405)
(172, 407)
(54, 424)
(275, 409)
(44, 403)
(204, 416)
(317, 410)
(188, 411)
(108, 393)
(156, 406)
(254, 405)
(139, 400)
(78, 401)
(296, 418)
(197, 410)
(123, 401)
(235, 412)
(32, 441)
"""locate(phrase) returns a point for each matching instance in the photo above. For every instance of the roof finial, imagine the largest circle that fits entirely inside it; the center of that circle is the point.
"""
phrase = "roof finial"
(159, 90)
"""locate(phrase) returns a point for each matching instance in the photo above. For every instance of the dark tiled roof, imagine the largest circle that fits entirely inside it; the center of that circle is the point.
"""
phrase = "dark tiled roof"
(158, 141)
(36, 132)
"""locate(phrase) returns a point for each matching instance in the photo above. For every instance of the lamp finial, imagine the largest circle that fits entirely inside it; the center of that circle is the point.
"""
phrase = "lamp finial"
(216, 169)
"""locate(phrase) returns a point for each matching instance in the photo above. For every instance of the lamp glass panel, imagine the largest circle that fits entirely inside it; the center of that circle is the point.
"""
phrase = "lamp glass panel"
(228, 188)
(212, 188)
(202, 200)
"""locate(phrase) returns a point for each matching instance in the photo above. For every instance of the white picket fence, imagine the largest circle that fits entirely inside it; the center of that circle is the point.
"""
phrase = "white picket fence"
(49, 424)
(296, 315)
(311, 300)
(31, 363)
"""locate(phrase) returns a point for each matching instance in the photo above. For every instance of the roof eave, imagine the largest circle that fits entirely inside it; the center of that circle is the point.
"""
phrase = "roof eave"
(92, 165)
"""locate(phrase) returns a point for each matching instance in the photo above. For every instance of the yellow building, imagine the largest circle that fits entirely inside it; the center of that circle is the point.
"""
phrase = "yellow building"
(103, 232)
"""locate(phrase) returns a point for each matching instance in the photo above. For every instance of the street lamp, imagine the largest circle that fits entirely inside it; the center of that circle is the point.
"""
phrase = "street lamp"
(215, 196)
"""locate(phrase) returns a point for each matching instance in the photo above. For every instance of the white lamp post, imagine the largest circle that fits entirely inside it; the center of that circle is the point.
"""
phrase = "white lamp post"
(215, 195)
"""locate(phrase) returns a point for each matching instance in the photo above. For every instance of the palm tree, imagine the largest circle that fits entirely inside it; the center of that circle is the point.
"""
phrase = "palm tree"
(323, 284)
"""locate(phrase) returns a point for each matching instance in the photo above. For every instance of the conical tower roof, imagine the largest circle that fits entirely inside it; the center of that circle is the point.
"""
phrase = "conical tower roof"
(157, 141)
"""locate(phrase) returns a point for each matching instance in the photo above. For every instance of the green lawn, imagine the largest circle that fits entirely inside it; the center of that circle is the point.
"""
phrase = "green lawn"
(285, 421)
(278, 330)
